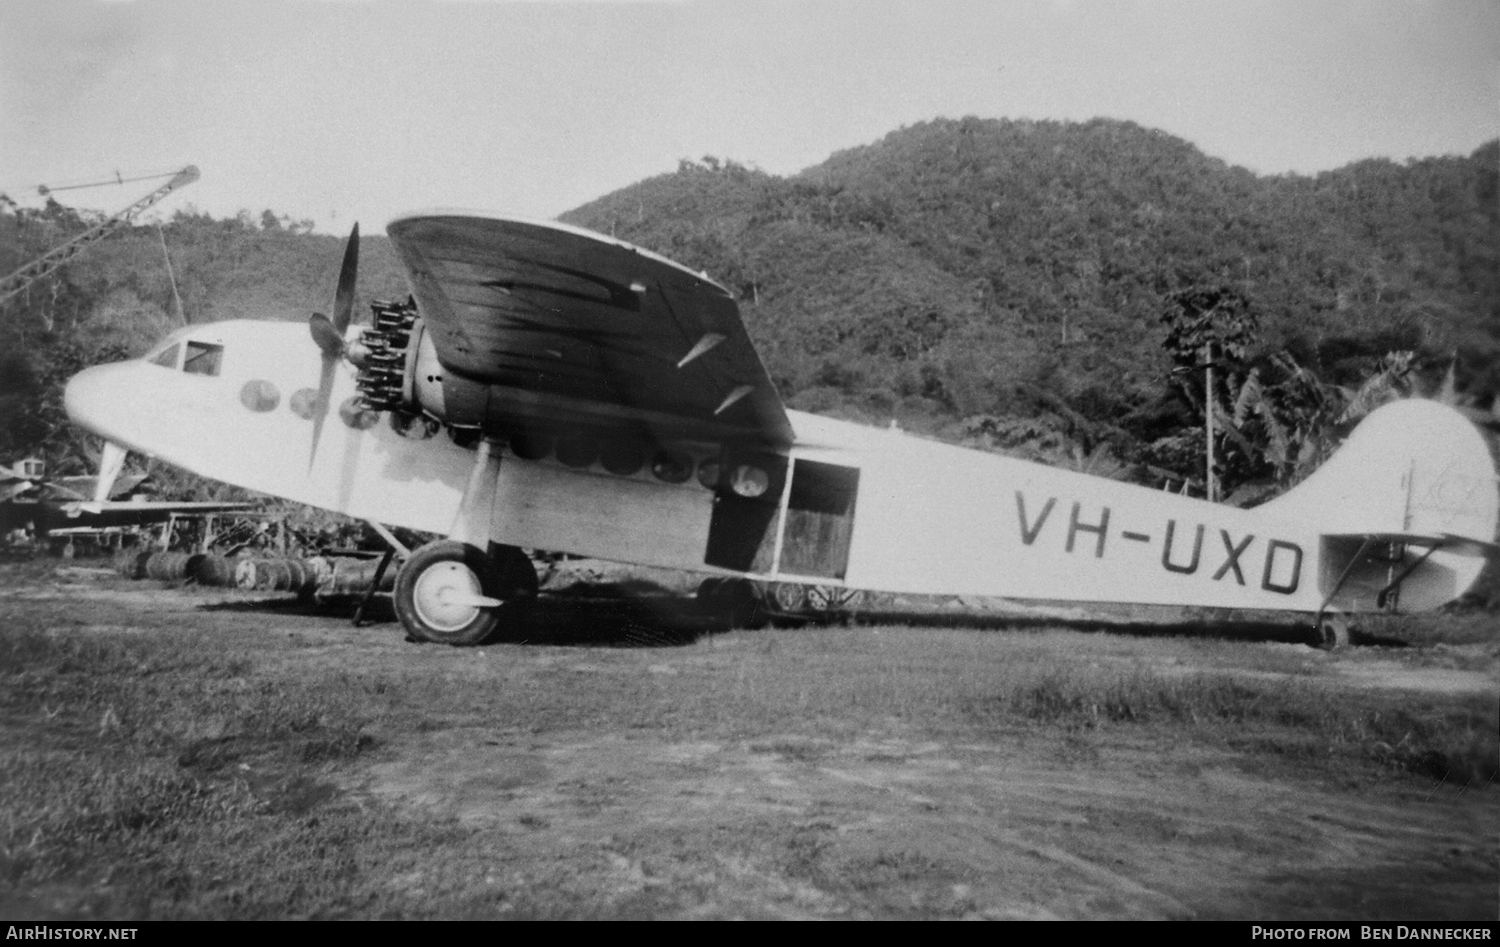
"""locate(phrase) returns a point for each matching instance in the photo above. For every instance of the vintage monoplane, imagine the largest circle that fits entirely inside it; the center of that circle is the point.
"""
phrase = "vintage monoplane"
(42, 505)
(547, 387)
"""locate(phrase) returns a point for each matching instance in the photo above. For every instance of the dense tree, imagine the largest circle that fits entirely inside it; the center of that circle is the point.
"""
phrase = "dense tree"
(976, 269)
(995, 282)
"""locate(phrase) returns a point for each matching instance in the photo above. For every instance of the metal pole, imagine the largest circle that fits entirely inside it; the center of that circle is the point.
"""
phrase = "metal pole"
(171, 277)
(1208, 423)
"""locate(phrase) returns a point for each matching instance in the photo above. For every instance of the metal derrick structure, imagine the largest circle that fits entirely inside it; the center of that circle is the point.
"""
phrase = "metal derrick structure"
(47, 263)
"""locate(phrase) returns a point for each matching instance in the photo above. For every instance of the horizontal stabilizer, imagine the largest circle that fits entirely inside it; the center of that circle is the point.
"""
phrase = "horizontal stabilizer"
(1448, 542)
(1469, 544)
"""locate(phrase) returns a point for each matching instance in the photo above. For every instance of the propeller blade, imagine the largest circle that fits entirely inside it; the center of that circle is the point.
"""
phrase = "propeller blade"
(320, 409)
(343, 300)
(329, 336)
(330, 340)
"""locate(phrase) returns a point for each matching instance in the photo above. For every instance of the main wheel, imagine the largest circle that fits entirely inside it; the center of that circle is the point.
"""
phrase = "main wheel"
(452, 593)
(1332, 632)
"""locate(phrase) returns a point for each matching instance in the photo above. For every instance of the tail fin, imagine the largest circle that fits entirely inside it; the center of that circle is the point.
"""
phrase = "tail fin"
(1415, 472)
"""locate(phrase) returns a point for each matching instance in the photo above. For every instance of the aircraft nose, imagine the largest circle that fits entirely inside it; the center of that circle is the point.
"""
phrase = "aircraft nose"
(91, 396)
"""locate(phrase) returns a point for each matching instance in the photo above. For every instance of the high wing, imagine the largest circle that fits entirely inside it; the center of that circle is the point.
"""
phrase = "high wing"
(563, 327)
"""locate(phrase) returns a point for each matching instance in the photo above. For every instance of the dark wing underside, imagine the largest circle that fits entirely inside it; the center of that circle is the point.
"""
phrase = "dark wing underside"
(561, 322)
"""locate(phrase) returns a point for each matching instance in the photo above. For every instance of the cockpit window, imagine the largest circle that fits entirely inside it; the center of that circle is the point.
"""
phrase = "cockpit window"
(167, 358)
(202, 358)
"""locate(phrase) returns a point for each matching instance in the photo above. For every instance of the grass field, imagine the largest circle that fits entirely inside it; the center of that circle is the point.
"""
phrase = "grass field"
(180, 753)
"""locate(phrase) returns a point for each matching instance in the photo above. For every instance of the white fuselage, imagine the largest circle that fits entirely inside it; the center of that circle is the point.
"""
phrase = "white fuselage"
(927, 518)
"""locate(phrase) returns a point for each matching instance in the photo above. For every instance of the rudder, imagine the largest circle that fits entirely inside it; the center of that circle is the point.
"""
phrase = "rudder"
(1412, 468)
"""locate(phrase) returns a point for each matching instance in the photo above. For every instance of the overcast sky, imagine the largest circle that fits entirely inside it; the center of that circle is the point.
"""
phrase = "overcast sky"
(361, 109)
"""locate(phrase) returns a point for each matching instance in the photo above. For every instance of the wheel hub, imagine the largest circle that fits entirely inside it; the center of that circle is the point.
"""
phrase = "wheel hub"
(443, 596)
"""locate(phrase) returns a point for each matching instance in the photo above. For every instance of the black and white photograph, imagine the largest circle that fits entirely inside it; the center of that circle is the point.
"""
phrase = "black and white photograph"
(476, 460)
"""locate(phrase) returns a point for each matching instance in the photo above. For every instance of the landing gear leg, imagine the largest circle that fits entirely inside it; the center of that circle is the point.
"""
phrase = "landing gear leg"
(463, 589)
(476, 509)
(380, 570)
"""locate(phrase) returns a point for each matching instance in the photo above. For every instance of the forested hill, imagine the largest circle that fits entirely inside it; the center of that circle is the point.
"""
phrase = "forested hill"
(965, 278)
(116, 298)
(957, 268)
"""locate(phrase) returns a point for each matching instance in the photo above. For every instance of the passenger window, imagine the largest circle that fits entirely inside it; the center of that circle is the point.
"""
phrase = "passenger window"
(202, 358)
(167, 358)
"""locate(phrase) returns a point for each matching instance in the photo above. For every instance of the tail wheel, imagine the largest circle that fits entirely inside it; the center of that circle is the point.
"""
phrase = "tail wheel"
(453, 593)
(1333, 631)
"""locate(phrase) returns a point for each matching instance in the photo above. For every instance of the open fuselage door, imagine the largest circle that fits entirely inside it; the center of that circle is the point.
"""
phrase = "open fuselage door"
(797, 527)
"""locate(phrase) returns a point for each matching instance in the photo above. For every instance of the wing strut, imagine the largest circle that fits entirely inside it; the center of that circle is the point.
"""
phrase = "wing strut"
(1395, 584)
(394, 547)
(390, 539)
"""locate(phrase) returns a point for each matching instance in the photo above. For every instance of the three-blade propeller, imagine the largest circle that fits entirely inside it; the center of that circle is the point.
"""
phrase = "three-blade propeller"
(329, 335)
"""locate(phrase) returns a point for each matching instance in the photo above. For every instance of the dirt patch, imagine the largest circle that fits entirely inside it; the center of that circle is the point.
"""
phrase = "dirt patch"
(885, 826)
(868, 772)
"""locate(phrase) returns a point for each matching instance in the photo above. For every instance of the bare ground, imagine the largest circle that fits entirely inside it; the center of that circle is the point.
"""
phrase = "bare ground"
(630, 760)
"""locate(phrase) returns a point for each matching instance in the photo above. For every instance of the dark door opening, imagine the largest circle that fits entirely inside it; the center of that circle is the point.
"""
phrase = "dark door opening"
(817, 530)
(819, 520)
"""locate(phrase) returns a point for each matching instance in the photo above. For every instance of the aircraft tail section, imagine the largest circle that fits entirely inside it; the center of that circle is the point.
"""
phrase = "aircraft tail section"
(1407, 508)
